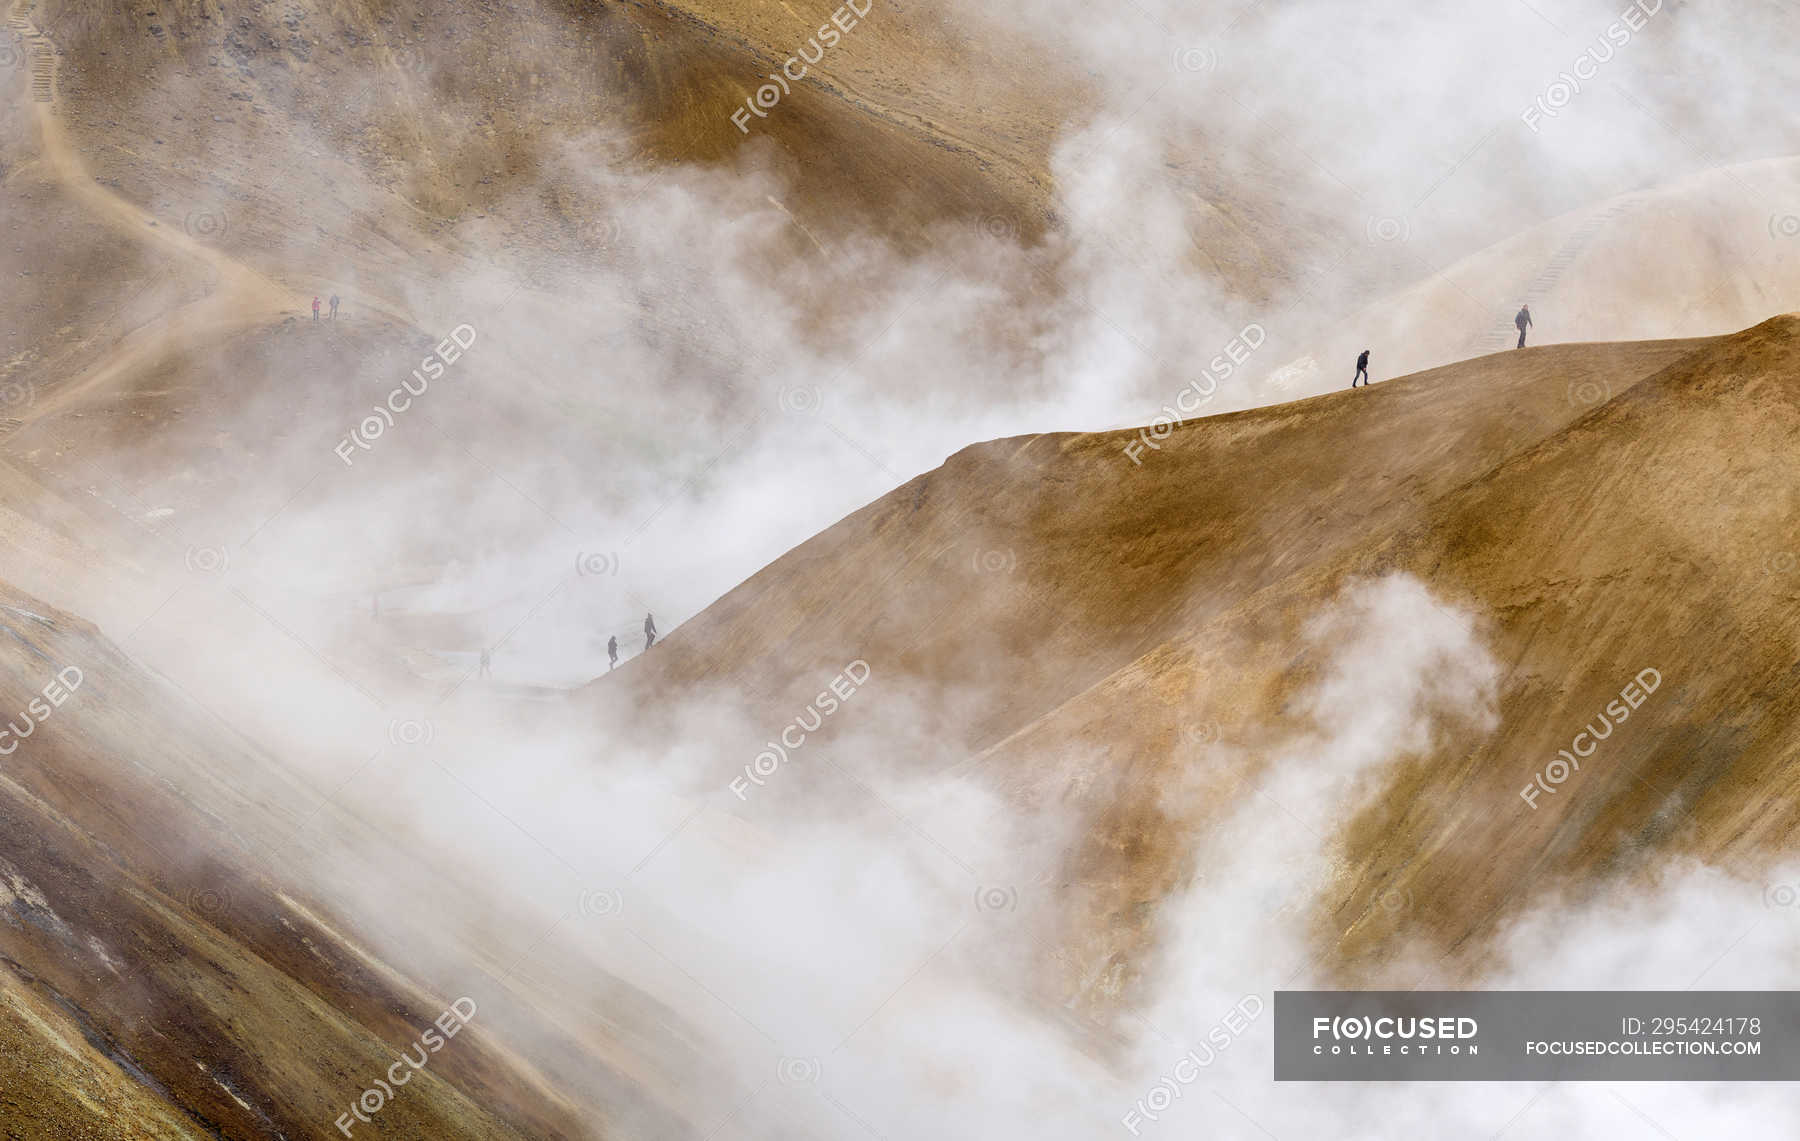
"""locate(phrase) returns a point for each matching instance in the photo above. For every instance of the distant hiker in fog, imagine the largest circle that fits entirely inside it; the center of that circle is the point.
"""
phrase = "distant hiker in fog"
(649, 631)
(1362, 370)
(1523, 321)
(485, 671)
(334, 306)
(612, 653)
(315, 307)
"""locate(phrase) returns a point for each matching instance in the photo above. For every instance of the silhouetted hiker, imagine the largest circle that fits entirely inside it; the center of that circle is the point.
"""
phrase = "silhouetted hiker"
(612, 653)
(1523, 321)
(315, 308)
(334, 306)
(649, 631)
(485, 671)
(1362, 370)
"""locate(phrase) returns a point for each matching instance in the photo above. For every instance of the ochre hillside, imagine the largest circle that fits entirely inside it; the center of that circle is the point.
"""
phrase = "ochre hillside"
(1602, 509)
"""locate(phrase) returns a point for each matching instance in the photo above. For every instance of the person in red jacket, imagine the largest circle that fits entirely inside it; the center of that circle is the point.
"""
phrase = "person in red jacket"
(315, 307)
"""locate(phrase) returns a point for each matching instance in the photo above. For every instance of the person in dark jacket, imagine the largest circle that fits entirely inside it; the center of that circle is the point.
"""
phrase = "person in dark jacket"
(1362, 370)
(649, 631)
(1523, 321)
(612, 653)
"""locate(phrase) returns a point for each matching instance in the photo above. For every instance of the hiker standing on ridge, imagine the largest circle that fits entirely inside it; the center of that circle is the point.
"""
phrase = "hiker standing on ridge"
(1362, 370)
(315, 307)
(649, 631)
(334, 303)
(1523, 321)
(612, 653)
(486, 663)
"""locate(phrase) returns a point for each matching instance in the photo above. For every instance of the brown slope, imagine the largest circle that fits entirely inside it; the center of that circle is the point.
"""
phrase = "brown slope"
(1657, 532)
(1653, 532)
(143, 906)
(1057, 557)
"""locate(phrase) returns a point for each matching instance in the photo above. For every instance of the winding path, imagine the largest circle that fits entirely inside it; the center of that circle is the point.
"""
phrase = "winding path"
(238, 296)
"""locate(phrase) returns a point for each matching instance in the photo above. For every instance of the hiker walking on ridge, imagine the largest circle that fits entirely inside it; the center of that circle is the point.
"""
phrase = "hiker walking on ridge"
(334, 305)
(1523, 321)
(649, 631)
(1362, 370)
(612, 653)
(315, 307)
